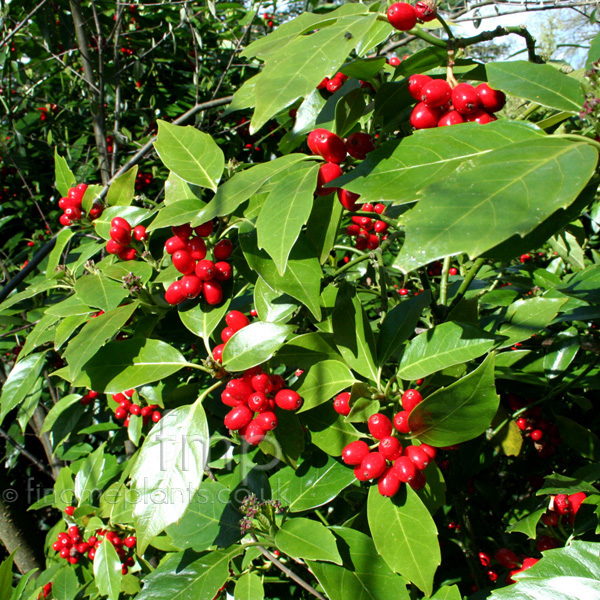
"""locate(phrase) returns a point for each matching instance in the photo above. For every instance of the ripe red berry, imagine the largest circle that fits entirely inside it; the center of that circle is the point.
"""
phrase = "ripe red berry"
(191, 286)
(184, 262)
(575, 501)
(348, 199)
(226, 334)
(258, 402)
(288, 400)
(405, 469)
(69, 510)
(402, 16)
(173, 244)
(429, 450)
(174, 294)
(480, 116)
(327, 173)
(388, 483)
(354, 453)
(205, 229)
(562, 504)
(507, 558)
(218, 352)
(197, 248)
(135, 409)
(121, 413)
(341, 403)
(401, 421)
(485, 559)
(113, 247)
(390, 448)
(128, 254)
(379, 426)
(410, 399)
(424, 117)
(139, 233)
(213, 292)
(546, 542)
(205, 270)
(261, 382)
(491, 100)
(418, 456)
(418, 482)
(120, 235)
(237, 320)
(65, 221)
(223, 271)
(255, 434)
(436, 93)
(223, 249)
(120, 222)
(182, 231)
(537, 435)
(267, 420)
(416, 83)
(450, 118)
(328, 145)
(425, 12)
(156, 416)
(359, 144)
(238, 417)
(550, 519)
(465, 99)
(373, 465)
(240, 389)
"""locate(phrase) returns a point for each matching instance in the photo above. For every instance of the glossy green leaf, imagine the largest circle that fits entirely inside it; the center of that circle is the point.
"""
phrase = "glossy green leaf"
(94, 334)
(562, 574)
(72, 306)
(363, 576)
(328, 430)
(286, 441)
(107, 571)
(353, 334)
(122, 189)
(323, 224)
(562, 484)
(594, 51)
(190, 154)
(176, 190)
(272, 306)
(185, 577)
(579, 438)
(92, 193)
(405, 535)
(41, 333)
(249, 587)
(399, 324)
(584, 285)
(100, 292)
(20, 383)
(459, 412)
(302, 278)
(254, 344)
(203, 320)
(209, 520)
(6, 577)
(475, 211)
(447, 592)
(561, 353)
(63, 404)
(542, 84)
(307, 539)
(401, 171)
(322, 381)
(317, 481)
(65, 584)
(307, 349)
(128, 364)
(244, 184)
(363, 68)
(30, 292)
(178, 213)
(63, 175)
(527, 525)
(348, 111)
(443, 346)
(121, 269)
(88, 476)
(169, 470)
(62, 239)
(289, 205)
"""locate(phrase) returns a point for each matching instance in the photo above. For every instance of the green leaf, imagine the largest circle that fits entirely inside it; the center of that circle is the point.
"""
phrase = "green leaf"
(178, 213)
(119, 270)
(128, 364)
(63, 175)
(317, 481)
(88, 476)
(249, 587)
(107, 570)
(20, 383)
(322, 381)
(190, 154)
(328, 430)
(353, 334)
(65, 584)
(133, 214)
(542, 84)
(69, 308)
(64, 489)
(55, 412)
(122, 189)
(176, 190)
(100, 292)
(203, 319)
(307, 539)
(302, 278)
(475, 212)
(254, 344)
(91, 194)
(307, 349)
(460, 412)
(286, 442)
(561, 484)
(94, 334)
(584, 285)
(363, 68)
(29, 292)
(562, 352)
(6, 576)
(399, 324)
(323, 224)
(40, 334)
(209, 520)
(272, 306)
(443, 346)
(594, 51)
(169, 467)
(62, 239)
(561, 574)
(528, 525)
(579, 438)
(289, 204)
(348, 111)
(447, 593)
(364, 575)
(405, 535)
(180, 577)
(244, 184)
(400, 171)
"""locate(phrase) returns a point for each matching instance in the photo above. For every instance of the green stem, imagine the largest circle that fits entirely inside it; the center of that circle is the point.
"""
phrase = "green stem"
(486, 36)
(464, 286)
(199, 367)
(427, 37)
(445, 26)
(323, 519)
(532, 108)
(212, 388)
(444, 282)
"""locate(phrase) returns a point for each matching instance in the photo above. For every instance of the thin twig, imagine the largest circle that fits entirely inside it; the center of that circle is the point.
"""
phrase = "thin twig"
(27, 454)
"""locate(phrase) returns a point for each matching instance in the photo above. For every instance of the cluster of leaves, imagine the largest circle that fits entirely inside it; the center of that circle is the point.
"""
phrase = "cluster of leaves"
(512, 204)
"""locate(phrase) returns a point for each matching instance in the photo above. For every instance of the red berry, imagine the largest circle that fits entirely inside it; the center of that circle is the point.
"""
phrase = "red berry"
(120, 235)
(341, 403)
(69, 510)
(418, 456)
(156, 416)
(197, 248)
(121, 413)
(373, 465)
(416, 83)
(550, 519)
(174, 294)
(354, 453)
(485, 559)
(359, 474)
(401, 421)
(405, 469)
(528, 563)
(425, 12)
(205, 229)
(402, 16)
(491, 100)
(191, 286)
(128, 254)
(73, 531)
(388, 483)
(379, 426)
(182, 231)
(547, 543)
(120, 222)
(348, 199)
(410, 399)
(537, 435)
(562, 504)
(465, 99)
(327, 173)
(213, 292)
(174, 244)
(575, 501)
(507, 558)
(139, 233)
(226, 334)
(424, 117)
(65, 553)
(223, 249)
(429, 450)
(390, 448)
(258, 402)
(267, 420)
(223, 271)
(135, 409)
(239, 389)
(359, 144)
(205, 270)
(65, 221)
(113, 247)
(481, 117)
(379, 208)
(255, 434)
(261, 382)
(184, 262)
(418, 482)
(436, 93)
(288, 400)
(218, 352)
(328, 145)
(237, 320)
(450, 118)
(238, 417)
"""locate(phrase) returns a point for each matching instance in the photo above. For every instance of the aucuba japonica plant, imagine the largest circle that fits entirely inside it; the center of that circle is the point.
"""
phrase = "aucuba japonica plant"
(364, 366)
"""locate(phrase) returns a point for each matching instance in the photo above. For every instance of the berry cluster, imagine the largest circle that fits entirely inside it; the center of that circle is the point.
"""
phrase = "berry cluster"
(127, 408)
(71, 206)
(509, 560)
(407, 465)
(121, 236)
(564, 507)
(364, 229)
(88, 398)
(235, 321)
(404, 16)
(253, 398)
(46, 591)
(200, 275)
(440, 104)
(143, 180)
(334, 83)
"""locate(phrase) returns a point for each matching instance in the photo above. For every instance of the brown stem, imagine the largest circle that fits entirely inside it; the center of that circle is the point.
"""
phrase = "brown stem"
(37, 423)
(26, 454)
